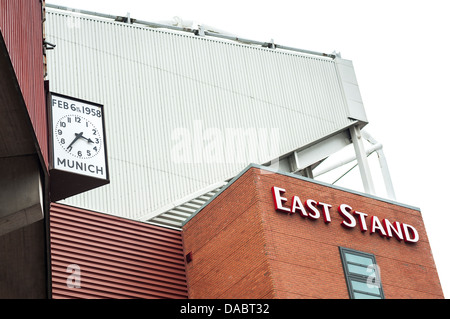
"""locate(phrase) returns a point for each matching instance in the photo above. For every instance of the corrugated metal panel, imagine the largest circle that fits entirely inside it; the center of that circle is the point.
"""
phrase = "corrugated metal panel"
(21, 26)
(153, 82)
(117, 258)
(174, 215)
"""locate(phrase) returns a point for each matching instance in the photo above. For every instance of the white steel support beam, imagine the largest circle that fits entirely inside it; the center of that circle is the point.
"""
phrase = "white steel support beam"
(361, 157)
(383, 165)
(386, 175)
(313, 154)
(308, 172)
(344, 160)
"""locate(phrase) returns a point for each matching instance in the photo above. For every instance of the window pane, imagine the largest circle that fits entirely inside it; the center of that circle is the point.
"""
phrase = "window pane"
(361, 270)
(365, 287)
(358, 259)
(358, 295)
(362, 274)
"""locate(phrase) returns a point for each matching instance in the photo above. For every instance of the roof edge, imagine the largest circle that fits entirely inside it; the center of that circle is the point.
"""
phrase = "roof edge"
(193, 30)
(252, 165)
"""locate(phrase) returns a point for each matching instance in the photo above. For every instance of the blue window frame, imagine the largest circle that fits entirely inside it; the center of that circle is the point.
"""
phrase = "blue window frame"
(362, 274)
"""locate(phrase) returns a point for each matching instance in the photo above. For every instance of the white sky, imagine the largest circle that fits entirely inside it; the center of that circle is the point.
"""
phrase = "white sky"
(399, 49)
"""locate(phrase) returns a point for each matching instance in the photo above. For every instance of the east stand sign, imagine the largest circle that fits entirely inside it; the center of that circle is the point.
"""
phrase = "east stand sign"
(78, 157)
(350, 218)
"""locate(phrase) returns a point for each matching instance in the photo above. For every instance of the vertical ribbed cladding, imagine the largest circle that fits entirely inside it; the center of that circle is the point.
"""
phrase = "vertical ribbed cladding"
(21, 26)
(117, 257)
(154, 83)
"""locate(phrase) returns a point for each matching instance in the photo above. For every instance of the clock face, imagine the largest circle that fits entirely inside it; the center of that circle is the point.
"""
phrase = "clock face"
(78, 141)
(78, 136)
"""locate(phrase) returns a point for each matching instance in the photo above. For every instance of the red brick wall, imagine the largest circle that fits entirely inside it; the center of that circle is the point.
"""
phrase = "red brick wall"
(227, 244)
(243, 248)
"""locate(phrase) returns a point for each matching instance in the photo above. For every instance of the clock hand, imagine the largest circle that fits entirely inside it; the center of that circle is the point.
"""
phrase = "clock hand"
(77, 136)
(87, 139)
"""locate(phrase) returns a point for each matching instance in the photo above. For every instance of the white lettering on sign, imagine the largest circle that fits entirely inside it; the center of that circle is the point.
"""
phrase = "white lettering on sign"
(276, 191)
(350, 218)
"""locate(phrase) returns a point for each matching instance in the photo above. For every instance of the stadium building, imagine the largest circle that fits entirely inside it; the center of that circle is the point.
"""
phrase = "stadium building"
(159, 160)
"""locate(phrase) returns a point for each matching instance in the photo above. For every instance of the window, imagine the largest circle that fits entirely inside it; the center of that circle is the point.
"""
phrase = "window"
(362, 274)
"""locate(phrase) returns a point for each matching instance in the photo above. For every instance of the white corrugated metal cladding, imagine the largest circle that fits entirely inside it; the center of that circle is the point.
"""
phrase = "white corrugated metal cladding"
(176, 105)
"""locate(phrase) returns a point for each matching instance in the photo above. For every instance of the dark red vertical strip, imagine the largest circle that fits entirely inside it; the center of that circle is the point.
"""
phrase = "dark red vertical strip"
(21, 26)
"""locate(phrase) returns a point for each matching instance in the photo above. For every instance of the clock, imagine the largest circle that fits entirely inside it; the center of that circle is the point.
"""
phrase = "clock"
(78, 143)
(78, 136)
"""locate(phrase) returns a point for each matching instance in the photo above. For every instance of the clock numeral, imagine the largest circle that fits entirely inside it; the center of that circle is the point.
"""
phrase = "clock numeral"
(86, 141)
